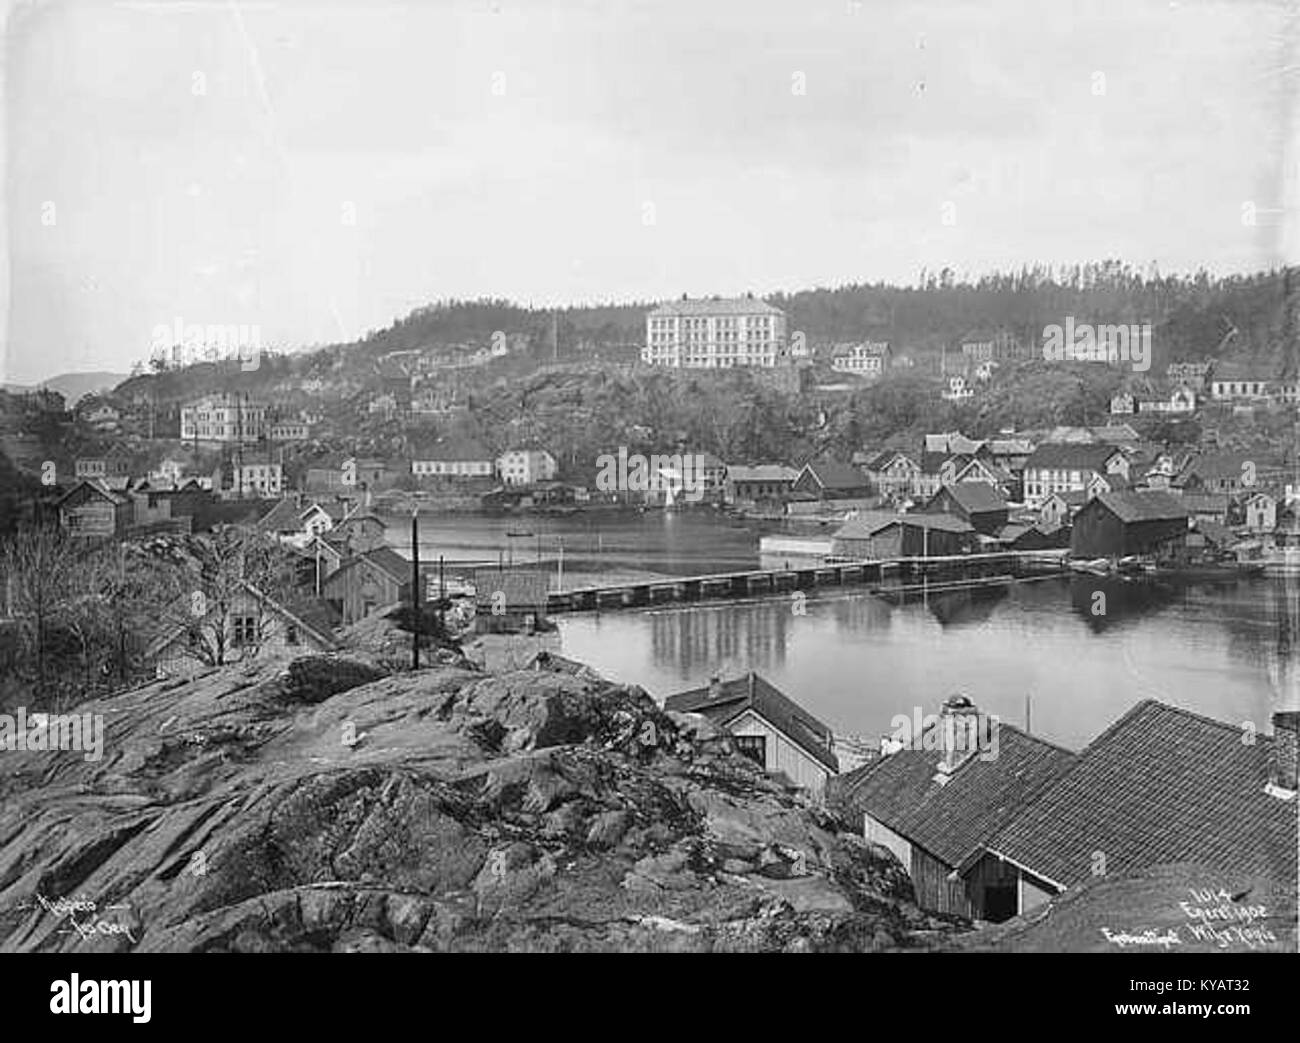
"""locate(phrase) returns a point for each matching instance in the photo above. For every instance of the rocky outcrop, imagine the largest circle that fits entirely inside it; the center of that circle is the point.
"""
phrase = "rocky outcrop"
(322, 805)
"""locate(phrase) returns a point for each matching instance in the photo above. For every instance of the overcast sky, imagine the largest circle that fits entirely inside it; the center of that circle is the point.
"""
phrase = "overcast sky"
(320, 168)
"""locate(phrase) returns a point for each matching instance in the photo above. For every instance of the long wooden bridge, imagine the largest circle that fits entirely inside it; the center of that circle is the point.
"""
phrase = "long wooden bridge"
(972, 568)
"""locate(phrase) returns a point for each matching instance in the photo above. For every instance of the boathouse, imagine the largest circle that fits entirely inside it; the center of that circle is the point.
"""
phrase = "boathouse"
(1119, 524)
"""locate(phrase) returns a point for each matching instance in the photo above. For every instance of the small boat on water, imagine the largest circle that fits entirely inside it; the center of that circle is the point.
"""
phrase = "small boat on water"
(518, 534)
(1091, 566)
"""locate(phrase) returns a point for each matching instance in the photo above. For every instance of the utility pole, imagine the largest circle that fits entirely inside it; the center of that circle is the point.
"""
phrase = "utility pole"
(415, 588)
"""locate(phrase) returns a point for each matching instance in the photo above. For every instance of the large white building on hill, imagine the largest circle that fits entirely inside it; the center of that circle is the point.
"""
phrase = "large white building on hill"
(715, 333)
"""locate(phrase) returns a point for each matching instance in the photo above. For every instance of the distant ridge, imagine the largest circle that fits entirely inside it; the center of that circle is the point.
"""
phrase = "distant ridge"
(73, 385)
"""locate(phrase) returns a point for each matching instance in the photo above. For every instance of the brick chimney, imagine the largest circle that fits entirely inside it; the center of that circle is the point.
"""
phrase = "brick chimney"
(958, 721)
(1282, 766)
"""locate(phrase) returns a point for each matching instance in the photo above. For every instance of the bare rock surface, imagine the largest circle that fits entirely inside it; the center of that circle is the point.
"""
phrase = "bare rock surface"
(327, 805)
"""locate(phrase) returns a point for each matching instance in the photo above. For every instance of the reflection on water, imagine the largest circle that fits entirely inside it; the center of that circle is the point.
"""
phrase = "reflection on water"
(1227, 651)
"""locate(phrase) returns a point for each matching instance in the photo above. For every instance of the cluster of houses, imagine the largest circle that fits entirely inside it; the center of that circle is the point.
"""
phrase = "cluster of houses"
(989, 837)
(992, 837)
(1089, 488)
(346, 571)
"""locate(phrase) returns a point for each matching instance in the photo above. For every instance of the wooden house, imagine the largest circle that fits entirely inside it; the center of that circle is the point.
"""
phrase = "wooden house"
(934, 802)
(363, 584)
(977, 503)
(508, 600)
(1149, 523)
(94, 510)
(762, 483)
(1161, 786)
(832, 480)
(769, 727)
(893, 473)
(1061, 507)
(252, 625)
(1079, 466)
(1261, 512)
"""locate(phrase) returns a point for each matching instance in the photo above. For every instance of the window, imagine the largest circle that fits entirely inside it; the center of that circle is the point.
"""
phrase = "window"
(291, 634)
(754, 747)
(245, 628)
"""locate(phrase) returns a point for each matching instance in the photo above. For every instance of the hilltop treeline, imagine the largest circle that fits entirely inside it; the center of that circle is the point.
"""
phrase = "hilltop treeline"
(1193, 316)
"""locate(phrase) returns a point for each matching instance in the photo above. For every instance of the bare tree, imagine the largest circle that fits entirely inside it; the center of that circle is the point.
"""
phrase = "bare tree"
(224, 605)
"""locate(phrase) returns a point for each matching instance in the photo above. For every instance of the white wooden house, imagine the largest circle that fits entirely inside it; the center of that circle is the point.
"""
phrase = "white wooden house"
(768, 726)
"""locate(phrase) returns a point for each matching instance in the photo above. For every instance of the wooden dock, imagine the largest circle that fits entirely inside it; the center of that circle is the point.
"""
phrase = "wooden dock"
(968, 568)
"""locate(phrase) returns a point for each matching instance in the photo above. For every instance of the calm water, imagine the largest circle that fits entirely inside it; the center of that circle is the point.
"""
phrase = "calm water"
(1228, 651)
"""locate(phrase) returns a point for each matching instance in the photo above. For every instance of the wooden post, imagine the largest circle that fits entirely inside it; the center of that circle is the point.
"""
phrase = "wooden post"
(415, 589)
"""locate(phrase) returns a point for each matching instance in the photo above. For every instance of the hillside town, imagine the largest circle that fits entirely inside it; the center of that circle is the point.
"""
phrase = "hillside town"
(496, 478)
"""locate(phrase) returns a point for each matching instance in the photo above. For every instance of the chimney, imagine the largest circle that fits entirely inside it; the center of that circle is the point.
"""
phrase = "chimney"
(715, 687)
(1282, 766)
(958, 734)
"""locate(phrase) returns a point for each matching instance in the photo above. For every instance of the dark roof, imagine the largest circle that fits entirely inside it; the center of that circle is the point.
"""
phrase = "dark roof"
(1071, 456)
(951, 821)
(1145, 505)
(385, 559)
(1070, 497)
(770, 703)
(831, 474)
(943, 522)
(864, 524)
(976, 497)
(1159, 785)
(525, 589)
(98, 487)
(285, 516)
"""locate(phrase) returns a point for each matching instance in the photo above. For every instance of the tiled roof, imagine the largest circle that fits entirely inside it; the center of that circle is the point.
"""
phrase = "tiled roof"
(770, 703)
(951, 821)
(1147, 505)
(707, 306)
(1160, 785)
(1071, 456)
